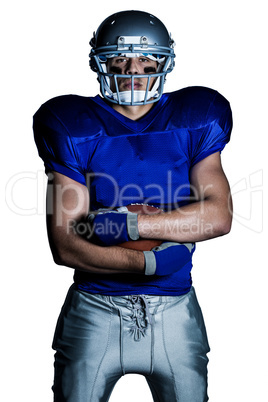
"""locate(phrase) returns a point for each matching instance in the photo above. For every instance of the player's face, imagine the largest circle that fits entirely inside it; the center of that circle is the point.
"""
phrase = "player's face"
(131, 65)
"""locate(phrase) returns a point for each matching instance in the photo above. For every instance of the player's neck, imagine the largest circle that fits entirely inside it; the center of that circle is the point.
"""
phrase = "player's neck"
(133, 112)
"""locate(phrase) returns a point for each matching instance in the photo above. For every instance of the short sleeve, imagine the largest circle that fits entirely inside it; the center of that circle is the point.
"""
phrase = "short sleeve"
(215, 131)
(55, 145)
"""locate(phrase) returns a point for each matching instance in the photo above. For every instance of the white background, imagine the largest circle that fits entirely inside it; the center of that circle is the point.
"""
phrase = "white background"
(44, 53)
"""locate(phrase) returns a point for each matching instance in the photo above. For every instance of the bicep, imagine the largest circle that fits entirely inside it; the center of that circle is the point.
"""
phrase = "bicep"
(208, 180)
(66, 198)
(213, 193)
(67, 204)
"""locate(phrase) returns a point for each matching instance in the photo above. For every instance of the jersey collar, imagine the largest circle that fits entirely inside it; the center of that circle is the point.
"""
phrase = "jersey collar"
(135, 125)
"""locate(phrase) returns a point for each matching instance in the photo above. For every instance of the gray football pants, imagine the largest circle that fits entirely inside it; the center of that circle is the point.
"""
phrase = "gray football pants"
(98, 339)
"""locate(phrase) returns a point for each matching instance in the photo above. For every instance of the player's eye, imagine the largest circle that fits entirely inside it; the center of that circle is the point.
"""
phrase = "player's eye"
(120, 60)
(143, 60)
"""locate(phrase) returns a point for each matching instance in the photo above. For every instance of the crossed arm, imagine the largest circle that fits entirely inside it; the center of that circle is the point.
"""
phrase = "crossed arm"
(68, 202)
(209, 216)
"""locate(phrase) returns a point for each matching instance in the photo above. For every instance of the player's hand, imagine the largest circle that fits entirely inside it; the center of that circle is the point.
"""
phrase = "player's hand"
(168, 258)
(109, 228)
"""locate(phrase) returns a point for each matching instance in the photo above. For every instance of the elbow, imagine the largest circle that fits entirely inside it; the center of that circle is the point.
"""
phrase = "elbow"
(58, 256)
(226, 228)
(66, 259)
(59, 253)
(223, 216)
(67, 254)
(227, 218)
(223, 225)
(58, 260)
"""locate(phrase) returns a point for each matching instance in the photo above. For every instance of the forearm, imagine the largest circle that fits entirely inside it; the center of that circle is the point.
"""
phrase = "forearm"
(199, 221)
(75, 252)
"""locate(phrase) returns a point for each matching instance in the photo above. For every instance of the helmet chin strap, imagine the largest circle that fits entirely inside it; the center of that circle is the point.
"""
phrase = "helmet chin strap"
(126, 96)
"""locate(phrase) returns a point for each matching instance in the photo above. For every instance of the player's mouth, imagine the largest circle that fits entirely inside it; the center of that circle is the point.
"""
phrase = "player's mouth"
(127, 85)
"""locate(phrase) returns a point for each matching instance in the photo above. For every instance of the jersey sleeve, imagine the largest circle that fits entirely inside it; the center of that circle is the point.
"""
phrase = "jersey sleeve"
(215, 131)
(55, 145)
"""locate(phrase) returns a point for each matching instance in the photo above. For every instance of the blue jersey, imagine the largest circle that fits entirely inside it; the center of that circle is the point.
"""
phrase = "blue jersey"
(124, 161)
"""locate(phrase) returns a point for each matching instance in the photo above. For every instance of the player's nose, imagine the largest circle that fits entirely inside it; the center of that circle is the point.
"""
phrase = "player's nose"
(132, 66)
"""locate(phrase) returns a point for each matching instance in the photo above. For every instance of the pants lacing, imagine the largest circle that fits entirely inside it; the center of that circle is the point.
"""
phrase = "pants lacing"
(141, 316)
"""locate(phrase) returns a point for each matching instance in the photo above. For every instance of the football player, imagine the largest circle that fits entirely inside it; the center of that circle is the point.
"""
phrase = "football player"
(133, 310)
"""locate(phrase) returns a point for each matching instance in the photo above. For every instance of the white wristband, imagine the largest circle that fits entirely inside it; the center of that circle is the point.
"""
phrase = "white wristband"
(150, 262)
(132, 226)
